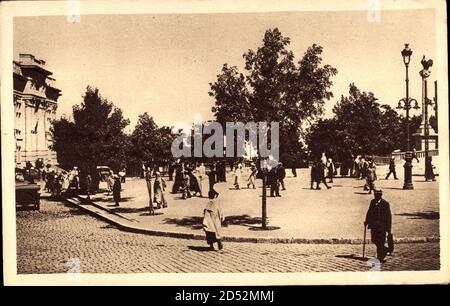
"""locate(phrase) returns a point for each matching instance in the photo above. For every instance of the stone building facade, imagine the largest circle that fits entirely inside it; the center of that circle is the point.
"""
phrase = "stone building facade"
(35, 104)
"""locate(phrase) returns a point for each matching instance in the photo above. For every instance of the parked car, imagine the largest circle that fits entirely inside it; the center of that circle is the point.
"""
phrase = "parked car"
(103, 172)
(27, 191)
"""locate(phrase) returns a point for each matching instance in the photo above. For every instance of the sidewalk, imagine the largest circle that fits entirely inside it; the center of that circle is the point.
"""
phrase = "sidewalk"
(301, 215)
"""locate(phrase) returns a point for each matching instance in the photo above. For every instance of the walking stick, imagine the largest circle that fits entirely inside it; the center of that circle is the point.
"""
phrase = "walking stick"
(364, 242)
(149, 189)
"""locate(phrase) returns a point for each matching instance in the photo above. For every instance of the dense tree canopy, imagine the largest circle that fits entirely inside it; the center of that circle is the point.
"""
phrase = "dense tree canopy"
(274, 89)
(361, 126)
(150, 142)
(94, 137)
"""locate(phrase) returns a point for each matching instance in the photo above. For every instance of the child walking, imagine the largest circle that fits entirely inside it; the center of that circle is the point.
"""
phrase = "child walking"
(212, 222)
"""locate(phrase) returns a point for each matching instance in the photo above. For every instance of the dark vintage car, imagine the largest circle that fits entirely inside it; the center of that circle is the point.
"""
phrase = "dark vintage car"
(27, 192)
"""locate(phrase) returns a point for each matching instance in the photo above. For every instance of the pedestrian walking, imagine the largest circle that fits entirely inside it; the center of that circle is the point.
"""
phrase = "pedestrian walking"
(320, 175)
(194, 181)
(159, 186)
(379, 221)
(46, 174)
(356, 166)
(212, 178)
(330, 170)
(363, 168)
(201, 173)
(123, 174)
(392, 168)
(237, 175)
(313, 174)
(171, 170)
(110, 182)
(66, 181)
(179, 178)
(53, 184)
(148, 181)
(294, 171)
(59, 181)
(221, 171)
(74, 178)
(351, 164)
(414, 154)
(323, 159)
(371, 177)
(117, 188)
(212, 222)
(429, 173)
(88, 185)
(252, 176)
(185, 187)
(281, 172)
(274, 183)
(51, 181)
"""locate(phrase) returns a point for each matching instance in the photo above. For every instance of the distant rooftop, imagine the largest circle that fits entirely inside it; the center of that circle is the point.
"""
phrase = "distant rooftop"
(27, 60)
(30, 59)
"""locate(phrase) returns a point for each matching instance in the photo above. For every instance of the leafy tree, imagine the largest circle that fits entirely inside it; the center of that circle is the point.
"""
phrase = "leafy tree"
(360, 125)
(94, 137)
(149, 142)
(275, 89)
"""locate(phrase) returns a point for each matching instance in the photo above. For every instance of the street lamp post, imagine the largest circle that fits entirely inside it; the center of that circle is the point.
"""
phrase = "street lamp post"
(406, 104)
(264, 172)
(425, 73)
(435, 100)
(264, 201)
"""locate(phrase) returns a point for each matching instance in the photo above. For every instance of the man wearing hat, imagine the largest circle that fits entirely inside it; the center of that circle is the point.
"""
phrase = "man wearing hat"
(379, 221)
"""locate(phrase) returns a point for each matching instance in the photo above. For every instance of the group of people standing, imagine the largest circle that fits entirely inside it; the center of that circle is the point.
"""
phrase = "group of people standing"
(191, 179)
(366, 170)
(320, 170)
(114, 186)
(58, 181)
(275, 179)
(55, 181)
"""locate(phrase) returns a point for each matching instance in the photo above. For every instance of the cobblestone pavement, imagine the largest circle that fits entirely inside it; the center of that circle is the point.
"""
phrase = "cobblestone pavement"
(58, 237)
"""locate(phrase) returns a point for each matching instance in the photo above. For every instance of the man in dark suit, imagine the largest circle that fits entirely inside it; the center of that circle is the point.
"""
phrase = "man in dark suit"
(281, 172)
(320, 175)
(272, 180)
(392, 168)
(379, 221)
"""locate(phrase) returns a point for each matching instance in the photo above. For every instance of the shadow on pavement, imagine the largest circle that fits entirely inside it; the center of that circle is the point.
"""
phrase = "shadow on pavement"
(259, 228)
(196, 222)
(193, 222)
(244, 220)
(427, 215)
(364, 193)
(199, 248)
(147, 213)
(353, 256)
(111, 200)
(128, 209)
(393, 188)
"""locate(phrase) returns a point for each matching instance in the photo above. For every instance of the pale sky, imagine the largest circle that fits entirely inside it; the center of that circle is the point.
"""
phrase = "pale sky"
(162, 64)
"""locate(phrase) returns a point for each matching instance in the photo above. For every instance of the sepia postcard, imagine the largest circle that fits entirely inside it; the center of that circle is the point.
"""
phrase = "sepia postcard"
(188, 142)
